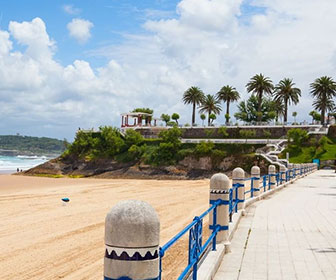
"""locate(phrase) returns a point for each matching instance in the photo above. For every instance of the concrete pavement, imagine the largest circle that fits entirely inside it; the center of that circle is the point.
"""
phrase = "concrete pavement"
(289, 235)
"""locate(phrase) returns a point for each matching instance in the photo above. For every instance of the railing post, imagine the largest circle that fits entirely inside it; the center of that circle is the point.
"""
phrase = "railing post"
(255, 183)
(283, 170)
(238, 176)
(132, 232)
(220, 189)
(271, 173)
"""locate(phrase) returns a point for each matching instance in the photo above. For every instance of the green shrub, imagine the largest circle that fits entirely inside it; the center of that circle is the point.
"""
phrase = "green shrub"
(267, 133)
(133, 137)
(204, 148)
(185, 152)
(136, 152)
(297, 136)
(247, 133)
(209, 132)
(171, 123)
(222, 131)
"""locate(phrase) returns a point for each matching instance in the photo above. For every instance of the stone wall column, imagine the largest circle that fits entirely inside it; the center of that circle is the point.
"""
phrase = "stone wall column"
(220, 189)
(238, 176)
(132, 232)
(272, 178)
(255, 182)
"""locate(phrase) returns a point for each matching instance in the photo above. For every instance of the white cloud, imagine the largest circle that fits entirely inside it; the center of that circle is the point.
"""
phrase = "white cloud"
(71, 10)
(207, 45)
(80, 29)
(33, 35)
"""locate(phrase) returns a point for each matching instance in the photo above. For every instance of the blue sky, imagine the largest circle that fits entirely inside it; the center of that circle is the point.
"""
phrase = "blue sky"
(112, 19)
(70, 64)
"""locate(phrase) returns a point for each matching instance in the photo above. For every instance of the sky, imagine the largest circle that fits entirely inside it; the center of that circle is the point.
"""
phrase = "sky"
(70, 64)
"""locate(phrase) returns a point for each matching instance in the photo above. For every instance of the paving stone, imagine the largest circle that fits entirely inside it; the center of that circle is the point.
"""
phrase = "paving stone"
(292, 234)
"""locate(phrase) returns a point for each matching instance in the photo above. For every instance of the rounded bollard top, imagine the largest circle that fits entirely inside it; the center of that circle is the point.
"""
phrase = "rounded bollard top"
(238, 173)
(132, 224)
(271, 169)
(283, 168)
(220, 181)
(255, 170)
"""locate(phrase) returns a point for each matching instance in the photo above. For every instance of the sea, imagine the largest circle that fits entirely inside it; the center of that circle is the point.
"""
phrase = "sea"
(9, 164)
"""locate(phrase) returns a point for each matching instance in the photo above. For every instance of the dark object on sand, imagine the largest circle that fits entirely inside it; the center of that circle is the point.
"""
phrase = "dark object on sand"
(65, 199)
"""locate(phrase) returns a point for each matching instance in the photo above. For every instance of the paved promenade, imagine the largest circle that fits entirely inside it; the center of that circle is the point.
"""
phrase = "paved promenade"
(290, 235)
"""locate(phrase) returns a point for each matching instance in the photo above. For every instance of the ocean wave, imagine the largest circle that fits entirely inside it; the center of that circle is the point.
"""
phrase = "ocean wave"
(21, 162)
(32, 157)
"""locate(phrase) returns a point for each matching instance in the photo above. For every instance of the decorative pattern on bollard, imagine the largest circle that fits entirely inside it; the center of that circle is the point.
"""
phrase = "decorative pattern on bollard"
(132, 234)
(255, 181)
(272, 176)
(220, 189)
(238, 178)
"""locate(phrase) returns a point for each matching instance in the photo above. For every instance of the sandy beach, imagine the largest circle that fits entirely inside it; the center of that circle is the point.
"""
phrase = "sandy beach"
(42, 239)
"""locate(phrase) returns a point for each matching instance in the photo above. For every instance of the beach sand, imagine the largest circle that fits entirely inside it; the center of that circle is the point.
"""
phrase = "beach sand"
(41, 239)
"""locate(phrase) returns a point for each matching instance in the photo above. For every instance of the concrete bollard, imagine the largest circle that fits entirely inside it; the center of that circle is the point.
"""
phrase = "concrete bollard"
(220, 189)
(132, 233)
(255, 184)
(282, 174)
(294, 170)
(290, 171)
(272, 172)
(238, 176)
(297, 170)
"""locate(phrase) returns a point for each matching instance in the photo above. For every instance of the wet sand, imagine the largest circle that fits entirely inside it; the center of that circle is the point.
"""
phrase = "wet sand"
(42, 239)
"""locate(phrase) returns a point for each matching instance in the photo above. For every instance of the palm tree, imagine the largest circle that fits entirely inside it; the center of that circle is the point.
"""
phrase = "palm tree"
(210, 105)
(193, 96)
(279, 109)
(323, 90)
(328, 105)
(258, 85)
(228, 94)
(286, 93)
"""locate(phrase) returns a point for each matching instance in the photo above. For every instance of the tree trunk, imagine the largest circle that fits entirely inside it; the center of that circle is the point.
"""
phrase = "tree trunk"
(322, 116)
(286, 112)
(209, 118)
(227, 112)
(193, 114)
(259, 106)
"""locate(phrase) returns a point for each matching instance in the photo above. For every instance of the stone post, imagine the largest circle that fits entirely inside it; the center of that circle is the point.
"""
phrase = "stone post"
(295, 170)
(272, 172)
(283, 174)
(238, 176)
(290, 171)
(132, 232)
(220, 189)
(255, 183)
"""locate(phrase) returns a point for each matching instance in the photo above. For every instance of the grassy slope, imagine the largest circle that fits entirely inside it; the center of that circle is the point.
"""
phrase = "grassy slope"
(307, 154)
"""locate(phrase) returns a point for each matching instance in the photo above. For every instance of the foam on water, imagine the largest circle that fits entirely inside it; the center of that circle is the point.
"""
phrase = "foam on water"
(22, 162)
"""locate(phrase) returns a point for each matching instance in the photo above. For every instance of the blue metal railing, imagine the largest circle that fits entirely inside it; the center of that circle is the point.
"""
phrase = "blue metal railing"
(196, 249)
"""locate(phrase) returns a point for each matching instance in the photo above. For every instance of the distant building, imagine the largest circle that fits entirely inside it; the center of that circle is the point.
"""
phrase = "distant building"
(138, 119)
